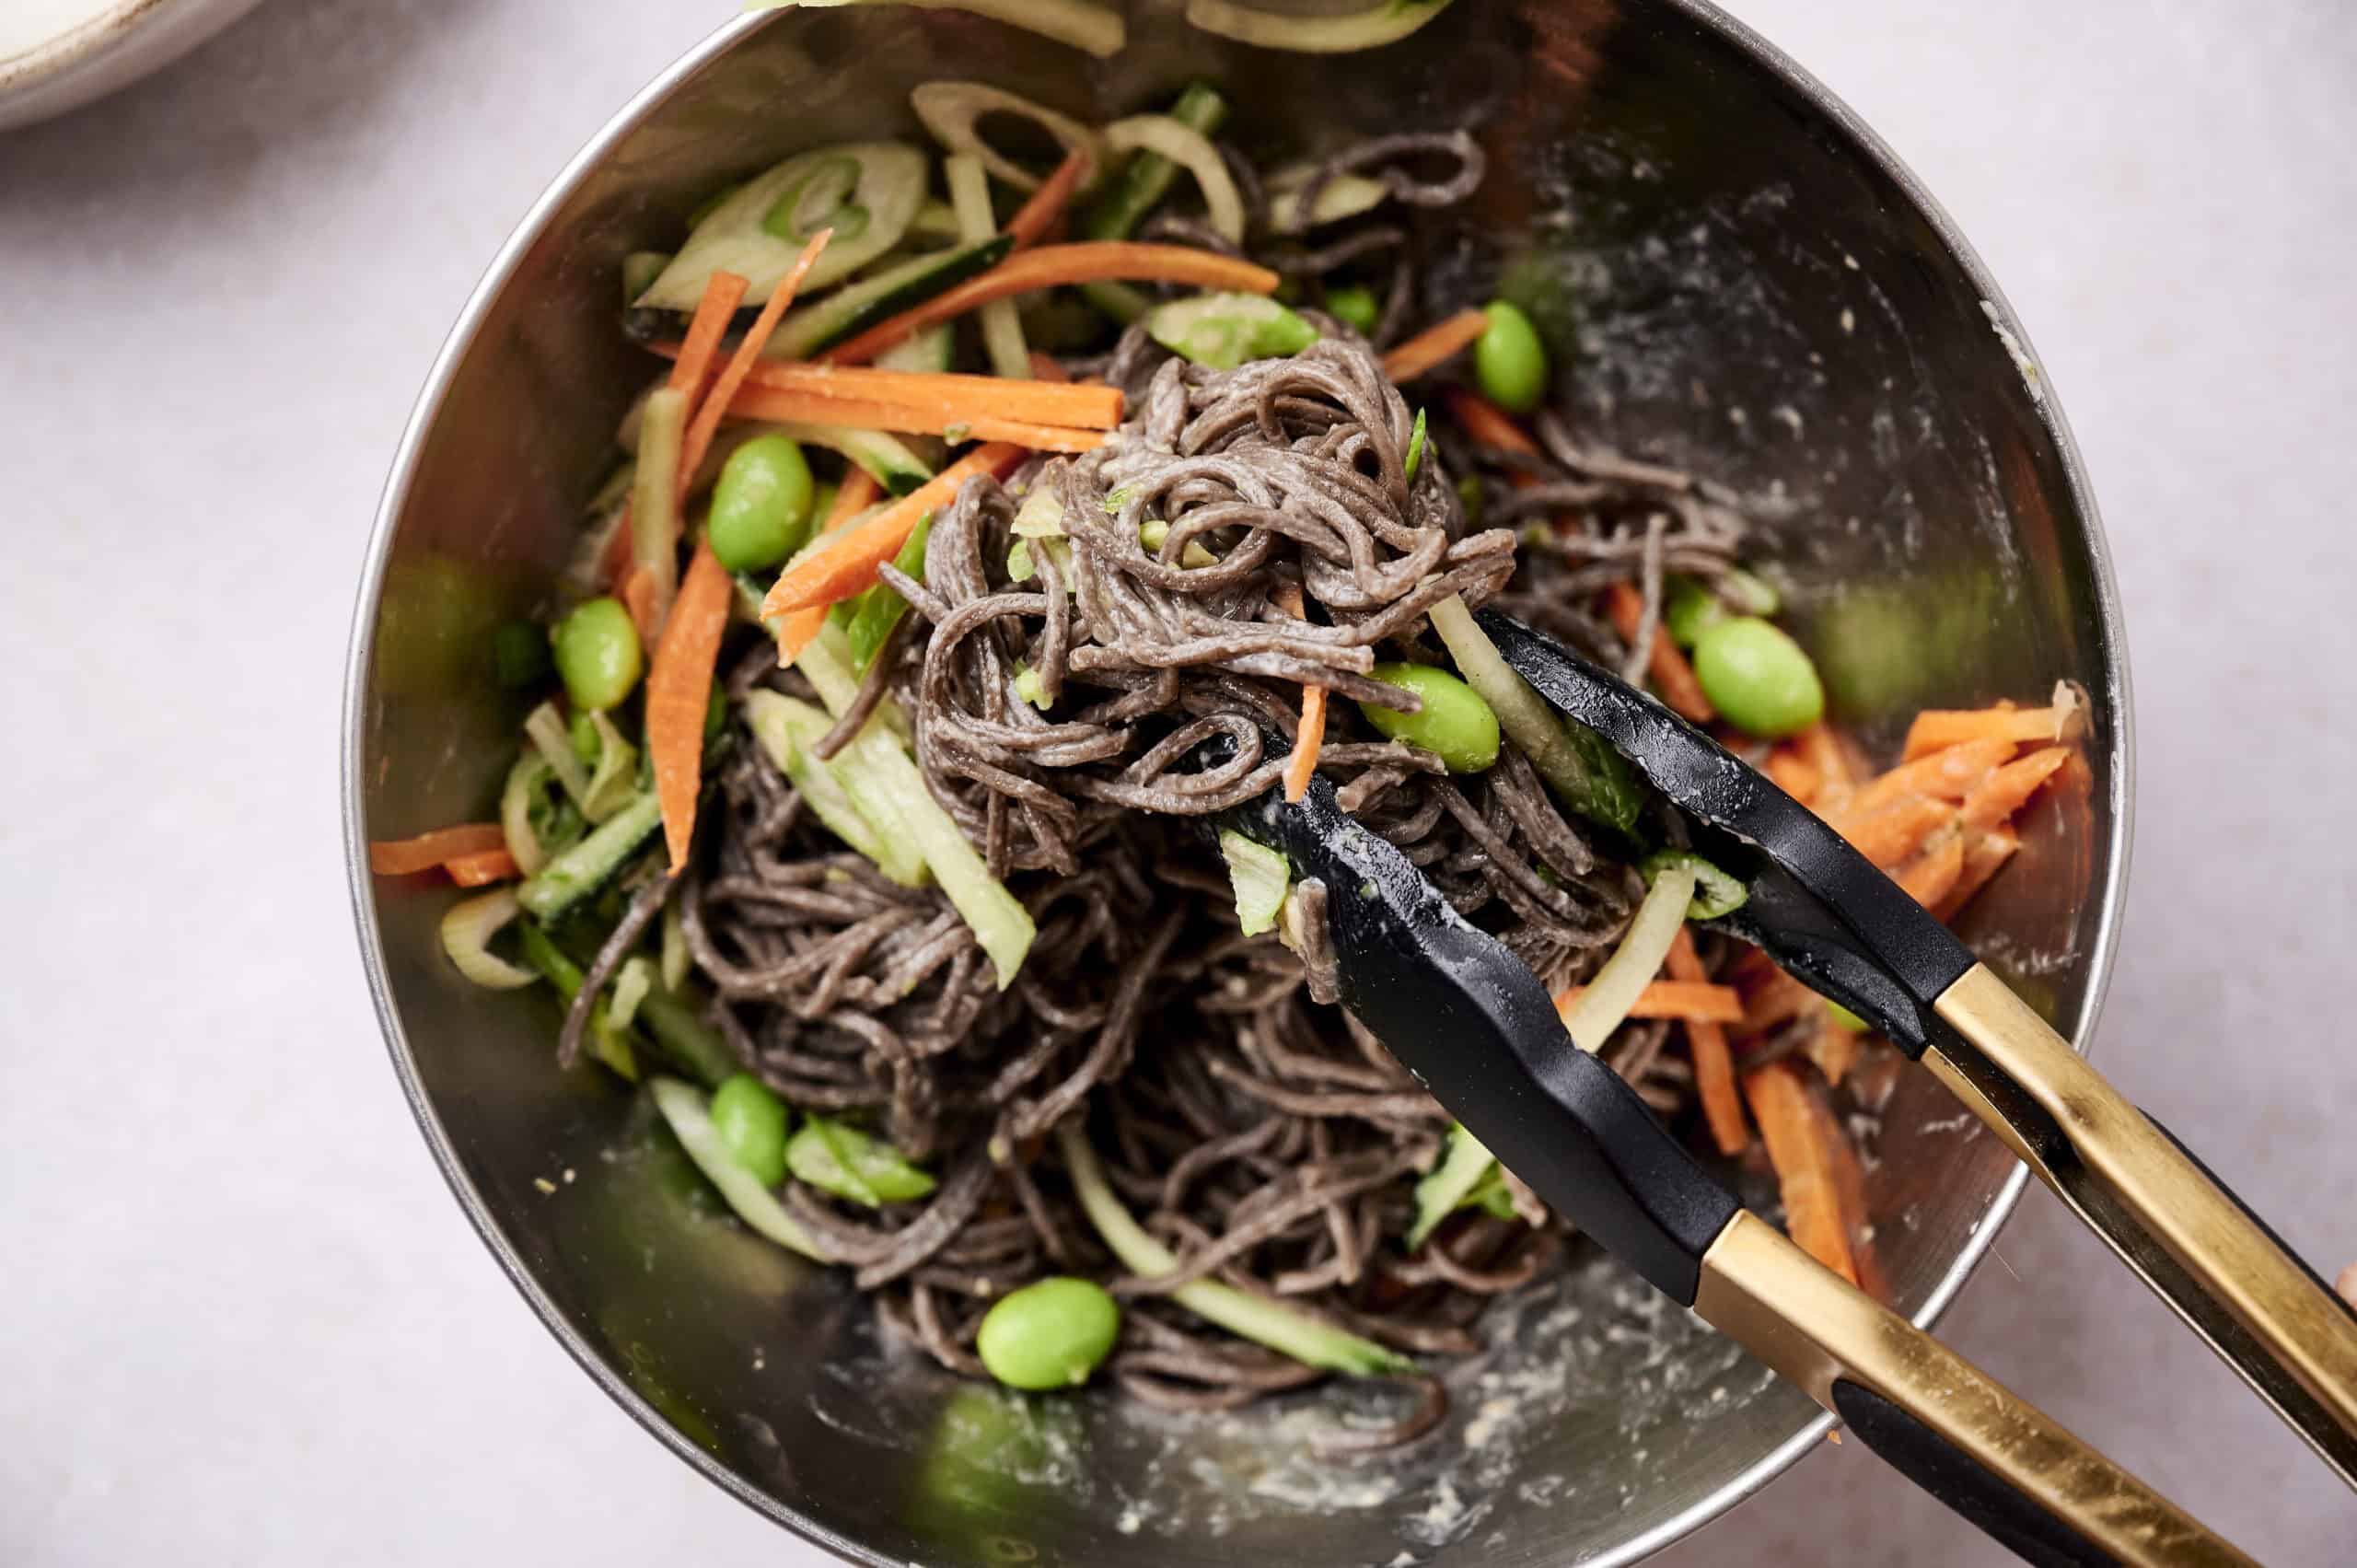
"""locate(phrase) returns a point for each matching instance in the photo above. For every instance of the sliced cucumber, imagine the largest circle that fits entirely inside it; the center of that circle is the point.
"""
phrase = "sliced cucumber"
(787, 730)
(888, 459)
(591, 864)
(1223, 330)
(952, 111)
(1344, 196)
(931, 352)
(640, 269)
(868, 192)
(858, 306)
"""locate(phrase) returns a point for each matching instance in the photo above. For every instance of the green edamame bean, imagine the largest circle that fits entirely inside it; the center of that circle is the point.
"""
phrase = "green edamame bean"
(1688, 610)
(760, 505)
(597, 654)
(1455, 723)
(1355, 305)
(1049, 1335)
(1509, 360)
(1758, 677)
(750, 1121)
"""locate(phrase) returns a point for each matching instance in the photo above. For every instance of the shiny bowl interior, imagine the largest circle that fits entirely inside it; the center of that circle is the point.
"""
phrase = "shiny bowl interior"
(1733, 274)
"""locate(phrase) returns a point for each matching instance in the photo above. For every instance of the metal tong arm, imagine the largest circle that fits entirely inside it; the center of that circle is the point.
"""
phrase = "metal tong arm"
(2198, 1245)
(1993, 1458)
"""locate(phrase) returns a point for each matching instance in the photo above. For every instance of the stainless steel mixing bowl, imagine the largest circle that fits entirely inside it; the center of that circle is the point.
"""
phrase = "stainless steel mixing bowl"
(1734, 273)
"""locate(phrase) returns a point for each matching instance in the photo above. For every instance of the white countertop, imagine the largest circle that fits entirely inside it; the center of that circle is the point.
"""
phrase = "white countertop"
(244, 1319)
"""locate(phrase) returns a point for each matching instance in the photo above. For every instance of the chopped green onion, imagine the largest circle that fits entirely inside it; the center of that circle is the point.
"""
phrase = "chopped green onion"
(1416, 446)
(1169, 138)
(466, 931)
(1027, 686)
(1260, 876)
(1284, 1329)
(673, 948)
(837, 1158)
(685, 1109)
(525, 779)
(613, 783)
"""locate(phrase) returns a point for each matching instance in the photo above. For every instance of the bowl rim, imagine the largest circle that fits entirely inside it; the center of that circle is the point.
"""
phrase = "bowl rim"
(2112, 639)
(87, 38)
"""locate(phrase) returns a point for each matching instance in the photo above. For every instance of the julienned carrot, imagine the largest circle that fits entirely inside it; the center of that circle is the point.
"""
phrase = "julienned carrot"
(1048, 370)
(1690, 1001)
(679, 695)
(1673, 677)
(1773, 999)
(951, 396)
(1434, 345)
(1834, 1049)
(1984, 856)
(722, 294)
(1713, 1062)
(1950, 774)
(1932, 875)
(1036, 216)
(482, 869)
(844, 563)
(714, 406)
(1937, 728)
(857, 413)
(1793, 774)
(1822, 749)
(1806, 1149)
(1490, 426)
(2005, 792)
(407, 857)
(1301, 766)
(858, 492)
(1888, 835)
(1051, 266)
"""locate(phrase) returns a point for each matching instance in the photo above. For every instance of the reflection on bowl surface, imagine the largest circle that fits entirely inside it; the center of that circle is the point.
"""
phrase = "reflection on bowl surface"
(1735, 280)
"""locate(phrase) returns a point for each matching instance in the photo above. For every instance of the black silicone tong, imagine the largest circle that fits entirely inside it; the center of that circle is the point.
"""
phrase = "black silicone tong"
(1477, 1027)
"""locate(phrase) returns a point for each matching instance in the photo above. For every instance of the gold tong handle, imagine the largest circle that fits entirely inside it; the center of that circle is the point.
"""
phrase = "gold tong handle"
(1996, 1459)
(2199, 1249)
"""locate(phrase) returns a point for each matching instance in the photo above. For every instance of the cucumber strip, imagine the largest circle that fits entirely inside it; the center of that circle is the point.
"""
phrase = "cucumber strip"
(1093, 29)
(612, 1046)
(1585, 773)
(1450, 1184)
(1138, 187)
(952, 111)
(1133, 193)
(1169, 138)
(936, 224)
(1348, 34)
(884, 780)
(686, 1110)
(787, 730)
(881, 607)
(931, 352)
(868, 192)
(888, 459)
(1344, 196)
(856, 306)
(587, 866)
(1605, 1002)
(969, 194)
(1282, 1328)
